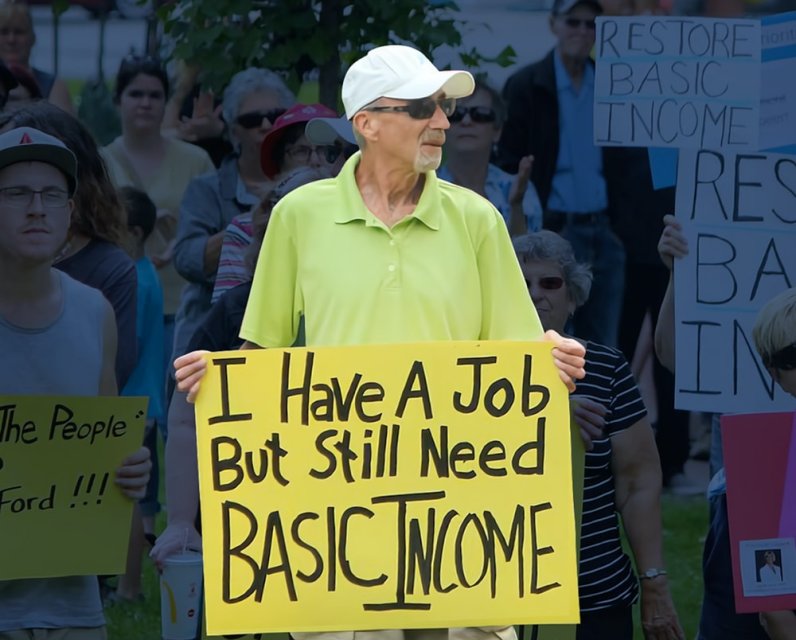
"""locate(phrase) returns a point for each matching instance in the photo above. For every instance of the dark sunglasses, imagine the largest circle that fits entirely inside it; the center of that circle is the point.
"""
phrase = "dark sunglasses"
(574, 23)
(477, 114)
(548, 283)
(422, 108)
(254, 119)
(784, 359)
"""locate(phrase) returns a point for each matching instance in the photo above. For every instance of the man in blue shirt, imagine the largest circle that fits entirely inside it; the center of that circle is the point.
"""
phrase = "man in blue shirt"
(550, 116)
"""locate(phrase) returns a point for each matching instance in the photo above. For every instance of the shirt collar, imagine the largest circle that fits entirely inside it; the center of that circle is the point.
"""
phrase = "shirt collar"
(563, 81)
(353, 207)
(243, 195)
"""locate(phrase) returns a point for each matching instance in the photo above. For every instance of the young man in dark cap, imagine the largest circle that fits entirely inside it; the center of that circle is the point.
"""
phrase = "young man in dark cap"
(58, 337)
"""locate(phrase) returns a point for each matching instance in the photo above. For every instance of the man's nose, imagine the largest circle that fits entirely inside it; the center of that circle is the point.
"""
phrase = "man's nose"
(439, 120)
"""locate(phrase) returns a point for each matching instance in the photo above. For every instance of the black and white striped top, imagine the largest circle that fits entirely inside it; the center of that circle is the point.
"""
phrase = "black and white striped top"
(605, 574)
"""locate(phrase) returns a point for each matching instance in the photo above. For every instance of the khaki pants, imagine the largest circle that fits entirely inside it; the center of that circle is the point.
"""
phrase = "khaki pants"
(456, 633)
(93, 633)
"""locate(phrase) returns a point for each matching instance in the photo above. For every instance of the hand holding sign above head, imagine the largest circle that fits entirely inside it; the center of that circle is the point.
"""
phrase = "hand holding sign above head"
(672, 243)
(189, 370)
(569, 356)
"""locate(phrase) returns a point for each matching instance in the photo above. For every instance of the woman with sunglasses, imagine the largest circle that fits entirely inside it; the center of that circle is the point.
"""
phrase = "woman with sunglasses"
(286, 151)
(251, 104)
(622, 472)
(475, 129)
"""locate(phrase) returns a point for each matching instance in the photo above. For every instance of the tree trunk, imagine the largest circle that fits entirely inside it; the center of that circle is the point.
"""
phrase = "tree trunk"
(329, 77)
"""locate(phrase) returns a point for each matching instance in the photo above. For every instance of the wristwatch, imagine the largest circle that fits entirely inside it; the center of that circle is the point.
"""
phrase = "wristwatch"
(651, 574)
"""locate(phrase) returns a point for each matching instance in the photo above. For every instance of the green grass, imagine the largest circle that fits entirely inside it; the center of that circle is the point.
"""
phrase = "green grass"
(685, 525)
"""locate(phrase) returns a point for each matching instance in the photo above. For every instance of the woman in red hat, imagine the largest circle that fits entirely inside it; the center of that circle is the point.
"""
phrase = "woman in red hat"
(285, 147)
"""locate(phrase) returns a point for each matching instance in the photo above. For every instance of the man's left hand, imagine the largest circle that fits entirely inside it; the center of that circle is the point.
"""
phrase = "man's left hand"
(569, 356)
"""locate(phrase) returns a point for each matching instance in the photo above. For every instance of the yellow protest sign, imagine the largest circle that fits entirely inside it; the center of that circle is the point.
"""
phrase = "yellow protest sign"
(378, 487)
(60, 510)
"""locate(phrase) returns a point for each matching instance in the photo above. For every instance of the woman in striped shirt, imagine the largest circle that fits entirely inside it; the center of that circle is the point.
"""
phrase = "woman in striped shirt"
(622, 471)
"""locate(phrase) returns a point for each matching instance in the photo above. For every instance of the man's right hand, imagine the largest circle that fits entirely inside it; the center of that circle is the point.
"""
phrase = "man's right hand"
(189, 371)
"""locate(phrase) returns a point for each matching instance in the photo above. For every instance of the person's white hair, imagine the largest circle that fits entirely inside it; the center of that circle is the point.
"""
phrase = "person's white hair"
(249, 81)
(775, 325)
(546, 245)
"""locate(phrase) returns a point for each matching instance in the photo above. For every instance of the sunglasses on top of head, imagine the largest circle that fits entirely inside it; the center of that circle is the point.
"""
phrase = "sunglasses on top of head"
(254, 119)
(422, 108)
(134, 62)
(477, 114)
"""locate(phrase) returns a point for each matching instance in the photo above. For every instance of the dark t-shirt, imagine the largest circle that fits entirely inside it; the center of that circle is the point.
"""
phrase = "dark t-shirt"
(637, 209)
(106, 267)
(219, 331)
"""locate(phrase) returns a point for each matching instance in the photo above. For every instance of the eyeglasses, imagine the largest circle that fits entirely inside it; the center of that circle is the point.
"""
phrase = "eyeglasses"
(303, 153)
(422, 108)
(477, 114)
(22, 197)
(784, 359)
(548, 283)
(253, 119)
(574, 23)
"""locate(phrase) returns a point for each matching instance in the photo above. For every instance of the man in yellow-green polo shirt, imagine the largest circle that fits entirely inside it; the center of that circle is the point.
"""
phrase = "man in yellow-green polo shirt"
(387, 253)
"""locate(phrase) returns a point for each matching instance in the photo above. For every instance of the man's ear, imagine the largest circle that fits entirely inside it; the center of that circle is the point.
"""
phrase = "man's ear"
(366, 125)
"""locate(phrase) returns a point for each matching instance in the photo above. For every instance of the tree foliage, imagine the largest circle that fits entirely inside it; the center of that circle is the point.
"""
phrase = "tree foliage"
(301, 37)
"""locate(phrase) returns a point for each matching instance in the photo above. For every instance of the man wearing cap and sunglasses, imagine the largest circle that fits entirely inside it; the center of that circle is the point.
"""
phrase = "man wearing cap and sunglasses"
(387, 253)
(550, 116)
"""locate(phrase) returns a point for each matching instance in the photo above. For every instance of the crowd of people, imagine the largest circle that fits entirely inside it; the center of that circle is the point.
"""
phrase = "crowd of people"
(436, 207)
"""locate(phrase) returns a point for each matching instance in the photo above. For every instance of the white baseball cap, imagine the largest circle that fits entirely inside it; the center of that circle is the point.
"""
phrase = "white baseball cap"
(401, 72)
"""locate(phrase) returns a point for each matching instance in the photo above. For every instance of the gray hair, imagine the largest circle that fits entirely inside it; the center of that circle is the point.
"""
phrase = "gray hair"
(250, 81)
(546, 245)
(775, 325)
